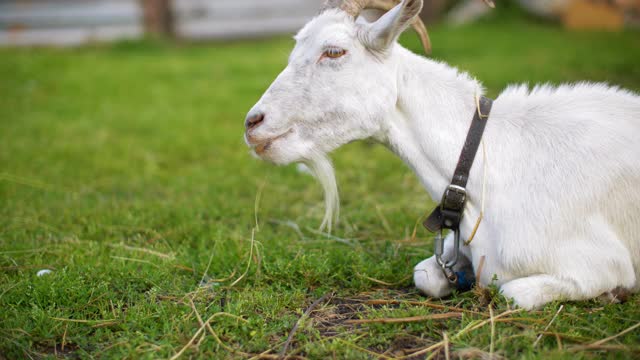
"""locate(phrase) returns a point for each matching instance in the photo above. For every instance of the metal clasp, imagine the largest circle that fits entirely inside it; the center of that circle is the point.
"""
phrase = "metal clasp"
(452, 206)
(447, 266)
(451, 209)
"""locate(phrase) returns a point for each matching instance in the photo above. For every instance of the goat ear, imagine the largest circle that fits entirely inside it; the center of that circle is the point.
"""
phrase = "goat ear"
(380, 34)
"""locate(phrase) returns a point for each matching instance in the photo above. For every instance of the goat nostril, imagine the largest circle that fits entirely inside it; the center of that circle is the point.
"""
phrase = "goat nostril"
(253, 121)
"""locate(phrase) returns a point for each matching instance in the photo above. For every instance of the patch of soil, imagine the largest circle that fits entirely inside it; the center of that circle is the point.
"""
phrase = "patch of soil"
(334, 316)
(332, 319)
(68, 352)
(406, 344)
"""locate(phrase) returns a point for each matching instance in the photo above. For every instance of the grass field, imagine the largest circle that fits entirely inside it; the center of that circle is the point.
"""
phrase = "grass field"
(123, 170)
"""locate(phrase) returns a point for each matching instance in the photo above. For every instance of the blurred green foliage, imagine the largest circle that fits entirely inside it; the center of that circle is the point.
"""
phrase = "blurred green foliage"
(124, 170)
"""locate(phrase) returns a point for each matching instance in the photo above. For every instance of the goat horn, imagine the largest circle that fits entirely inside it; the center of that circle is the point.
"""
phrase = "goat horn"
(490, 3)
(421, 29)
(417, 23)
(354, 7)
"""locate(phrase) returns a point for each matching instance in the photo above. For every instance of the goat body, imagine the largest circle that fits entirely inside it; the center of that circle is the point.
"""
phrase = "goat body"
(559, 166)
(561, 173)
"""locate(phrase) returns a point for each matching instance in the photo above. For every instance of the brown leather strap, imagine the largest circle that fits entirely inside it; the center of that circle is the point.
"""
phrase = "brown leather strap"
(449, 213)
(471, 144)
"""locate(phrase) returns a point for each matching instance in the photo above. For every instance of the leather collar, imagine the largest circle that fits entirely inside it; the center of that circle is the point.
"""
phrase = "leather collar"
(449, 213)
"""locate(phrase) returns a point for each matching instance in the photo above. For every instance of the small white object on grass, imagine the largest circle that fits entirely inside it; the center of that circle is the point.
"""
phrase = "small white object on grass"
(304, 169)
(44, 272)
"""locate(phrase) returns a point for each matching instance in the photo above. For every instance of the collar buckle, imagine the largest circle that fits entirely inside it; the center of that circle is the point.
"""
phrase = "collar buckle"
(452, 206)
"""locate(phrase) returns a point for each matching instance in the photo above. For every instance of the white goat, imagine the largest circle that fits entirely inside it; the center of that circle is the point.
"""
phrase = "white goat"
(562, 192)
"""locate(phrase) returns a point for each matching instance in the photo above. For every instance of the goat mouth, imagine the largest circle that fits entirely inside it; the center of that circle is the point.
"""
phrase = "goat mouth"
(261, 146)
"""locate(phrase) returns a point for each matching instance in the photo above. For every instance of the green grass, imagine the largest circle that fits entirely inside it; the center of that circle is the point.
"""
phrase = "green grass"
(123, 169)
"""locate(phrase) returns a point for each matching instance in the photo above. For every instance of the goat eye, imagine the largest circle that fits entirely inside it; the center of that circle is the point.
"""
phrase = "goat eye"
(334, 52)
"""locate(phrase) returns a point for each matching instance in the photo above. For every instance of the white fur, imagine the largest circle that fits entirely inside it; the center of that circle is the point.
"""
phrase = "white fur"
(321, 168)
(562, 217)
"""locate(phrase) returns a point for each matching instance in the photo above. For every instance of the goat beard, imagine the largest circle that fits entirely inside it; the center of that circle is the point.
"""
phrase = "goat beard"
(321, 167)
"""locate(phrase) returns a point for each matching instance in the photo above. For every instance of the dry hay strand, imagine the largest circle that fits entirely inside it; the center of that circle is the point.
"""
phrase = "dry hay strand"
(448, 315)
(422, 303)
(304, 316)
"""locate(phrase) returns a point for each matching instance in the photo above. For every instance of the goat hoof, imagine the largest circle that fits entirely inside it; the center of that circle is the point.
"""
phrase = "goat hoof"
(430, 280)
(523, 294)
(618, 295)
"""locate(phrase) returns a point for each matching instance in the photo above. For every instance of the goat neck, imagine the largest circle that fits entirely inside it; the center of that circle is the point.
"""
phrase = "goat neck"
(428, 126)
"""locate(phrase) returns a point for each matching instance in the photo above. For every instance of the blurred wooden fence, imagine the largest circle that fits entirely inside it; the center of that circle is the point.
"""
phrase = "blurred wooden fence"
(73, 22)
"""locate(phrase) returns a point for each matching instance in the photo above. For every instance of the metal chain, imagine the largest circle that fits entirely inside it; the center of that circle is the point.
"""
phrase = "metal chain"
(447, 266)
